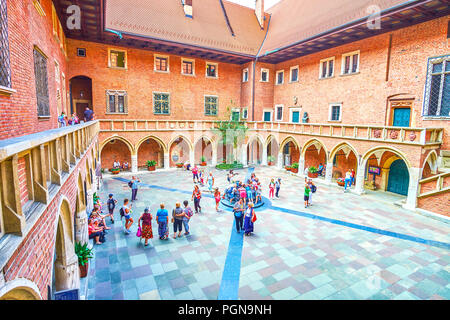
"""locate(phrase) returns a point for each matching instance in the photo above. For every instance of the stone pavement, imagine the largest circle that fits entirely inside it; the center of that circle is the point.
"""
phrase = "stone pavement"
(342, 247)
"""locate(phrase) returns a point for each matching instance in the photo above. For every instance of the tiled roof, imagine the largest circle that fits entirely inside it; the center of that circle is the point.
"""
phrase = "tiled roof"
(296, 20)
(165, 20)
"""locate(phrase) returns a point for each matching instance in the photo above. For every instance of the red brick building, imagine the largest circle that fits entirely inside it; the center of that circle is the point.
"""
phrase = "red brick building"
(363, 86)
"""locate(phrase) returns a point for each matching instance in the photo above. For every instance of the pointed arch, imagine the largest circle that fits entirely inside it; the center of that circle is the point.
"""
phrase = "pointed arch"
(205, 137)
(20, 289)
(379, 150)
(431, 159)
(347, 147)
(317, 143)
(157, 139)
(188, 141)
(289, 139)
(258, 137)
(270, 138)
(117, 137)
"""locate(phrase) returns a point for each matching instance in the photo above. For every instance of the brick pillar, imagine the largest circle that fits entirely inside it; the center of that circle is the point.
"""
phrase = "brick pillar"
(413, 189)
(134, 163)
(329, 172)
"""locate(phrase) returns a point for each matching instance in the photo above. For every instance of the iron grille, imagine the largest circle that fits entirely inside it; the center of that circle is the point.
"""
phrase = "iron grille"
(5, 66)
(437, 98)
(40, 73)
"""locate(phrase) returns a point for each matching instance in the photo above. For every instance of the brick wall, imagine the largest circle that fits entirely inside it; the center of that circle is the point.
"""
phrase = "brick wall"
(438, 204)
(26, 29)
(112, 151)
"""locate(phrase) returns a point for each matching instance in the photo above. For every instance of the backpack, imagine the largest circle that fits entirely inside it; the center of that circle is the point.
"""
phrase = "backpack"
(130, 184)
(111, 204)
(189, 212)
(313, 188)
(122, 213)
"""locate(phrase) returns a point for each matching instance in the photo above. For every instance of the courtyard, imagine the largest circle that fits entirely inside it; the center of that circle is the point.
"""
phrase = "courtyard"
(344, 246)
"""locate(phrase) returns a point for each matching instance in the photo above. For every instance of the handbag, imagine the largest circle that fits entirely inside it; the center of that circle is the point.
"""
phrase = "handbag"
(253, 216)
(139, 232)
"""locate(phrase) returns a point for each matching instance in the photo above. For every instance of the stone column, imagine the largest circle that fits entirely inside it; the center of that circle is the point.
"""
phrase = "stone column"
(214, 156)
(67, 275)
(413, 188)
(192, 157)
(280, 160)
(301, 165)
(244, 155)
(81, 232)
(134, 163)
(329, 172)
(166, 160)
(90, 200)
(359, 187)
(264, 156)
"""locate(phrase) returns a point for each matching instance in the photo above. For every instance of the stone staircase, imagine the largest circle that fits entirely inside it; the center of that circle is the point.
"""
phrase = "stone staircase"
(444, 161)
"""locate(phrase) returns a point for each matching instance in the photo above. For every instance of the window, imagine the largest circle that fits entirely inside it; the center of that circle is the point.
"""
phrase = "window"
(161, 63)
(267, 115)
(211, 70)
(81, 52)
(116, 101)
(294, 74)
(279, 112)
(326, 68)
(40, 74)
(236, 114)
(335, 112)
(245, 113)
(280, 77)
(5, 66)
(117, 59)
(161, 103)
(350, 63)
(245, 75)
(187, 67)
(437, 88)
(295, 115)
(211, 103)
(264, 75)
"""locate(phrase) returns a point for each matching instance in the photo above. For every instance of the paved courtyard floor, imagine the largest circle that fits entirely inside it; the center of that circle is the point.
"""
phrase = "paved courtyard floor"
(342, 247)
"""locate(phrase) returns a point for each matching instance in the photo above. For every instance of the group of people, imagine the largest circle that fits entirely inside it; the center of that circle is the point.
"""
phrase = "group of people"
(123, 166)
(247, 192)
(64, 120)
(310, 188)
(198, 176)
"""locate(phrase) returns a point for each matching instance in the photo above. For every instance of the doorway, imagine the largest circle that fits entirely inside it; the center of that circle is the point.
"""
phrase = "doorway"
(398, 180)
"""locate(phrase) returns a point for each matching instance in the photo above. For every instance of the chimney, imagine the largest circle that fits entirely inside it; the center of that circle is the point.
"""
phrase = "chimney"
(259, 12)
(187, 6)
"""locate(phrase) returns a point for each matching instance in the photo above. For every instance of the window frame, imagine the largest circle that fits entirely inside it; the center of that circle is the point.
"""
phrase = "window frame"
(276, 77)
(217, 105)
(291, 114)
(193, 67)
(161, 56)
(327, 60)
(290, 74)
(271, 114)
(427, 90)
(153, 103)
(264, 70)
(330, 111)
(6, 89)
(276, 112)
(350, 54)
(116, 93)
(125, 59)
(217, 70)
(245, 110)
(39, 51)
(245, 71)
(238, 110)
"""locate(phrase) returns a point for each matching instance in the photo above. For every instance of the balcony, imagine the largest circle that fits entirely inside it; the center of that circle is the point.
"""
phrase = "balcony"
(33, 169)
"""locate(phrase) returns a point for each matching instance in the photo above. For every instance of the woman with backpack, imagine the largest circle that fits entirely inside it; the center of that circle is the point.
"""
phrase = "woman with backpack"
(188, 213)
(250, 218)
(146, 229)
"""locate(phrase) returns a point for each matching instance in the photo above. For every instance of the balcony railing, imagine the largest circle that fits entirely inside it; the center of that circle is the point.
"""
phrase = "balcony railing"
(402, 135)
(436, 184)
(33, 168)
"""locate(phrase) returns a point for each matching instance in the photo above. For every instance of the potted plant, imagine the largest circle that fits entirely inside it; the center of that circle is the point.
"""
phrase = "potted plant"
(340, 182)
(203, 161)
(84, 254)
(270, 160)
(115, 170)
(288, 168)
(312, 172)
(179, 165)
(294, 167)
(151, 165)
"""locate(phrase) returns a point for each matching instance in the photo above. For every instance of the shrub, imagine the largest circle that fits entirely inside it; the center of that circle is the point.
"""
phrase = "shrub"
(312, 169)
(151, 163)
(83, 253)
(295, 165)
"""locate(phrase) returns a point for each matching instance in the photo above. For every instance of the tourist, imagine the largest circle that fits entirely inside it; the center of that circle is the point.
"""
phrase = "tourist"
(116, 164)
(249, 191)
(313, 189)
(271, 188)
(196, 196)
(62, 120)
(249, 219)
(146, 229)
(230, 176)
(258, 192)
(162, 218)
(320, 169)
(177, 220)
(348, 179)
(202, 175)
(125, 165)
(217, 198)
(111, 202)
(306, 171)
(243, 193)
(353, 177)
(188, 213)
(306, 194)
(277, 187)
(98, 218)
(95, 232)
(210, 182)
(134, 187)
(74, 120)
(195, 174)
(88, 114)
(238, 211)
(127, 214)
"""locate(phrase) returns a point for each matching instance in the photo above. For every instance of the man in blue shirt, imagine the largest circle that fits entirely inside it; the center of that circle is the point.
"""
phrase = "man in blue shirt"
(134, 188)
(162, 218)
(88, 114)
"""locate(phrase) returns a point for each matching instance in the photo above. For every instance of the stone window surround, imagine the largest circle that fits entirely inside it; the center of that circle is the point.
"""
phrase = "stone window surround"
(164, 57)
(125, 59)
(328, 66)
(351, 62)
(276, 78)
(330, 110)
